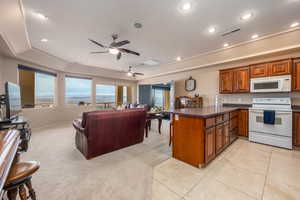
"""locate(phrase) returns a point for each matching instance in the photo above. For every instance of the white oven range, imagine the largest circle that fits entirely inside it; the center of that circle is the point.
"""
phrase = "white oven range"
(278, 134)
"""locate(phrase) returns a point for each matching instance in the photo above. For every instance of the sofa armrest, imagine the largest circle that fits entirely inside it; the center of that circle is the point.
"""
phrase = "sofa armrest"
(77, 125)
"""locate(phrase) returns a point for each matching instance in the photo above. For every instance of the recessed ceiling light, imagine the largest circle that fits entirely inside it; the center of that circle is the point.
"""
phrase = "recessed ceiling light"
(41, 16)
(113, 51)
(246, 16)
(44, 40)
(226, 45)
(212, 29)
(293, 25)
(254, 36)
(178, 58)
(187, 6)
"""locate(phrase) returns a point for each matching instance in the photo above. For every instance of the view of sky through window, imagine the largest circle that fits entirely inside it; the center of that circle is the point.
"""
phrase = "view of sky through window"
(105, 94)
(44, 88)
(78, 90)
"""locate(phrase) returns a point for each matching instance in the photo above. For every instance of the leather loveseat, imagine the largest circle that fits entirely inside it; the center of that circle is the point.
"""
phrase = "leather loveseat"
(105, 131)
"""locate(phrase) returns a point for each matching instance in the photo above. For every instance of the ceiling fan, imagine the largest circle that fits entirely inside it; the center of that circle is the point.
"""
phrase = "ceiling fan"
(114, 47)
(133, 74)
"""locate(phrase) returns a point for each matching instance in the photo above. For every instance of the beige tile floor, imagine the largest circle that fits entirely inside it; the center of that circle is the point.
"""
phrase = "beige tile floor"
(245, 171)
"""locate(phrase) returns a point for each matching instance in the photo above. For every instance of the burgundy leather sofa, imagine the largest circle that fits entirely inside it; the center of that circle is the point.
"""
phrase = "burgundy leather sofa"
(105, 131)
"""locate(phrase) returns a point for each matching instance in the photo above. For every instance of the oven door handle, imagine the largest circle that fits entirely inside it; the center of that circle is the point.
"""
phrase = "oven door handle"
(276, 111)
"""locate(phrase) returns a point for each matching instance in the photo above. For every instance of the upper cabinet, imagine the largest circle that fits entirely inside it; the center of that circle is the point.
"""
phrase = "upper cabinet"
(259, 70)
(237, 80)
(226, 83)
(279, 68)
(296, 75)
(234, 80)
(241, 80)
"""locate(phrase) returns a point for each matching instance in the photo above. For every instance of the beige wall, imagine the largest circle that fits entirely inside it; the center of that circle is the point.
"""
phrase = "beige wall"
(40, 117)
(208, 81)
(1, 74)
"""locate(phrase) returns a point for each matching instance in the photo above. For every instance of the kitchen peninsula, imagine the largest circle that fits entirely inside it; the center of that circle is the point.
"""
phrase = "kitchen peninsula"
(201, 134)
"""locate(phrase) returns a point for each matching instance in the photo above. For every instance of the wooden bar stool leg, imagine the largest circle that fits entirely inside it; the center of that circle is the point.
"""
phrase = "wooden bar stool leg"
(30, 189)
(12, 194)
(22, 192)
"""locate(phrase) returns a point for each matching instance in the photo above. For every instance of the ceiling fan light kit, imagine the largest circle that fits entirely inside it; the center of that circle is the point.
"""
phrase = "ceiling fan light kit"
(114, 47)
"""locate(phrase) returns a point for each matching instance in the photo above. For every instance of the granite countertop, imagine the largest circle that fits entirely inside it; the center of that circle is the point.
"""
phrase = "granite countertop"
(205, 112)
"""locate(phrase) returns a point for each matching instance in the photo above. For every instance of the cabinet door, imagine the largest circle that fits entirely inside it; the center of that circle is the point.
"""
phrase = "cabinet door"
(243, 123)
(219, 138)
(226, 135)
(210, 144)
(258, 71)
(241, 80)
(280, 68)
(296, 129)
(296, 76)
(226, 78)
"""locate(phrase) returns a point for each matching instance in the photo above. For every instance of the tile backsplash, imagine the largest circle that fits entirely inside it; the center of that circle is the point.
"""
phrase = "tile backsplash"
(247, 98)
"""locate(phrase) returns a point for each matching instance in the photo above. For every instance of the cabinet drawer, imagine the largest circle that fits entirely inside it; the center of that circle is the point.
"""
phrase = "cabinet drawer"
(219, 119)
(210, 122)
(226, 117)
(234, 114)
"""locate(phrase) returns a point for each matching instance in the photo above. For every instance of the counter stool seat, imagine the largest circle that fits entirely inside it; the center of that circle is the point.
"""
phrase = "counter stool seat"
(19, 176)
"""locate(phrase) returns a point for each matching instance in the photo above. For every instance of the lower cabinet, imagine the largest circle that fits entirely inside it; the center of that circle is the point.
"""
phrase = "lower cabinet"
(296, 128)
(219, 138)
(226, 134)
(220, 132)
(210, 145)
(243, 123)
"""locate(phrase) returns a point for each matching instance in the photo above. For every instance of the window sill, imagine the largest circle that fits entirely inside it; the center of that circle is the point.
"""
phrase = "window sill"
(41, 108)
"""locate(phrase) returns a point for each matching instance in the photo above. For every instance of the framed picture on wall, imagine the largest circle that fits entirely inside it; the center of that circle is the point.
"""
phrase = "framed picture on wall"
(190, 84)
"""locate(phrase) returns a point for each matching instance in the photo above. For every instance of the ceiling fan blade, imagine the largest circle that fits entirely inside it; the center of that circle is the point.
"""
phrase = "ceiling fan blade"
(97, 43)
(119, 44)
(99, 52)
(128, 51)
(119, 56)
(137, 73)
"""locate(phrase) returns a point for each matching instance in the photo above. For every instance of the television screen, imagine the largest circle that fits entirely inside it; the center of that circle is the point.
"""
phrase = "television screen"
(13, 100)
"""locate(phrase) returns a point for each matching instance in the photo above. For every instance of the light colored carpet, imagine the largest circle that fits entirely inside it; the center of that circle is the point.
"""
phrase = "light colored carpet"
(126, 174)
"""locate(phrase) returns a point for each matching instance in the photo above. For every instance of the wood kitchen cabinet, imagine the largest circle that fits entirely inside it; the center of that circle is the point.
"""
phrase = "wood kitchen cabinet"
(296, 129)
(210, 144)
(259, 70)
(226, 134)
(241, 80)
(279, 68)
(226, 81)
(296, 75)
(243, 123)
(219, 138)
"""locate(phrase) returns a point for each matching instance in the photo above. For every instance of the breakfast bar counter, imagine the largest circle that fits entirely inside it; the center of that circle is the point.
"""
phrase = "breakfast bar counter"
(201, 134)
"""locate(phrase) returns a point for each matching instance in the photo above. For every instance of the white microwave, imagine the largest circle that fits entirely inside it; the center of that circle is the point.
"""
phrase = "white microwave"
(271, 84)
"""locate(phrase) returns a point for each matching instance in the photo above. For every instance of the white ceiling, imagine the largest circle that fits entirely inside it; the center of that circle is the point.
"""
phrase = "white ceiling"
(166, 33)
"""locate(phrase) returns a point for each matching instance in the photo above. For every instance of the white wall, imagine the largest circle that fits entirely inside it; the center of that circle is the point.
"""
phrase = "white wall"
(40, 117)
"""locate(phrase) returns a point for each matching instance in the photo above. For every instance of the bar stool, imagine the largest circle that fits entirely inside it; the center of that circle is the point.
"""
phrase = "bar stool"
(19, 176)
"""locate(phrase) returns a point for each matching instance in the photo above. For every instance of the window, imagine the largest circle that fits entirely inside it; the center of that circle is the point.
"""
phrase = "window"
(158, 97)
(106, 94)
(44, 89)
(78, 90)
(37, 87)
(125, 100)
